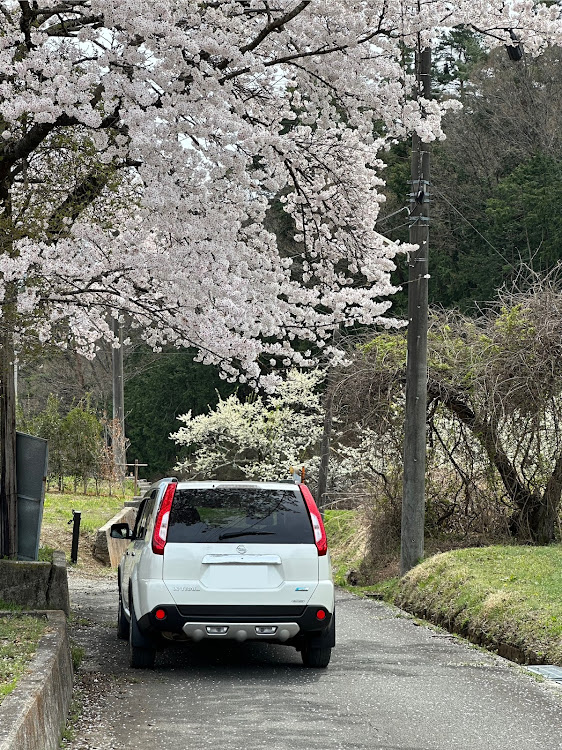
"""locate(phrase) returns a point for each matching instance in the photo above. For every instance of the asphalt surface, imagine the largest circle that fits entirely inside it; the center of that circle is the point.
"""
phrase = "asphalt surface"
(391, 684)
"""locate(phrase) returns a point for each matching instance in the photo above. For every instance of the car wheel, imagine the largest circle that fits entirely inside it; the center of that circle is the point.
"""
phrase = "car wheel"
(142, 653)
(318, 658)
(122, 622)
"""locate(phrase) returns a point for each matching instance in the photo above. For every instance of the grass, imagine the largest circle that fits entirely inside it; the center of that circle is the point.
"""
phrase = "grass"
(45, 554)
(95, 511)
(77, 654)
(346, 539)
(19, 636)
(502, 594)
(56, 528)
(506, 597)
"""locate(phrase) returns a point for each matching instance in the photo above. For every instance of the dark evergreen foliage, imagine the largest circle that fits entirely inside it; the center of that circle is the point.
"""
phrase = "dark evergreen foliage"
(170, 384)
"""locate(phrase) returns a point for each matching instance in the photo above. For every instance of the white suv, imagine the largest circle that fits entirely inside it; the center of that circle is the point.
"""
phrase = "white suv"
(226, 560)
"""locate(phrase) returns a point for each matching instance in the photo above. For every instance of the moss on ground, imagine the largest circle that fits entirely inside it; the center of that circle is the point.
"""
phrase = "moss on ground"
(19, 636)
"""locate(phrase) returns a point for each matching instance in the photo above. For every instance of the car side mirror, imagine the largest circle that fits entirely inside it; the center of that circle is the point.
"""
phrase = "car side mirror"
(120, 531)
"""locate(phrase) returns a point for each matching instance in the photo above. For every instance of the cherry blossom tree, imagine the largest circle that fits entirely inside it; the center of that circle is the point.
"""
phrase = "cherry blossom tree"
(141, 145)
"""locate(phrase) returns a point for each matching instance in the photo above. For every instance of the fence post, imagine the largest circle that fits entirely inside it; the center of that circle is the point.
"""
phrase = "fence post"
(76, 516)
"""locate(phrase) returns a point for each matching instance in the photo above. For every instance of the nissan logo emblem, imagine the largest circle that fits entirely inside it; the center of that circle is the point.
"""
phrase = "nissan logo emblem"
(241, 549)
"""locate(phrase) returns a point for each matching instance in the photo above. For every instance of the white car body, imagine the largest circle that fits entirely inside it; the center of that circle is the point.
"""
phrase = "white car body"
(229, 560)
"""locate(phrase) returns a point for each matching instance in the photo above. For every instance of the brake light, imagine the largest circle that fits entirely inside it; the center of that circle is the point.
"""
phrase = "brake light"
(316, 520)
(162, 520)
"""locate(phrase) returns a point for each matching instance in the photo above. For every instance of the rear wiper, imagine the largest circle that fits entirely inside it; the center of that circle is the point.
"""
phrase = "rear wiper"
(231, 534)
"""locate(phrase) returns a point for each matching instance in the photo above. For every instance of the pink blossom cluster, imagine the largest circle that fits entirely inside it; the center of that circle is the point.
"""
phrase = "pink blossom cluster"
(142, 145)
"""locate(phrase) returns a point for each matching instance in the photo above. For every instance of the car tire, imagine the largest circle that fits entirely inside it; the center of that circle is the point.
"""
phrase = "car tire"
(317, 658)
(122, 622)
(142, 654)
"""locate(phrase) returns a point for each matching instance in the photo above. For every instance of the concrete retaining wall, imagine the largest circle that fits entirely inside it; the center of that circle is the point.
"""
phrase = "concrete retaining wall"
(107, 550)
(35, 585)
(33, 716)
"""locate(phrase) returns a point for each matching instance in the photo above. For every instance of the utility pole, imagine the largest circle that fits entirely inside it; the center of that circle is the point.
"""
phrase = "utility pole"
(413, 496)
(118, 439)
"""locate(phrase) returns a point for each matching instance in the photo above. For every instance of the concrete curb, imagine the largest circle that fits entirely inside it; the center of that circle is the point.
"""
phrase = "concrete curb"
(33, 716)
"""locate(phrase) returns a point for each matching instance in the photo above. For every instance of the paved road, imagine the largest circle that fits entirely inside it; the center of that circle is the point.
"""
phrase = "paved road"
(391, 685)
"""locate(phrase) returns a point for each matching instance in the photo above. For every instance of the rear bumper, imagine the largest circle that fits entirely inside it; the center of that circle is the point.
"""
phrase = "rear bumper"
(242, 631)
(240, 623)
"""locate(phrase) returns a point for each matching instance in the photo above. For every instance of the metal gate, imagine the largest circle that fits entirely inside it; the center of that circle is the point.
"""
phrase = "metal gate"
(31, 470)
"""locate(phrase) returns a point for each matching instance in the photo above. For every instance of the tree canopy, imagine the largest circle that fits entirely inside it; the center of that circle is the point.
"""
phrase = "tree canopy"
(255, 438)
(141, 147)
(494, 395)
(142, 144)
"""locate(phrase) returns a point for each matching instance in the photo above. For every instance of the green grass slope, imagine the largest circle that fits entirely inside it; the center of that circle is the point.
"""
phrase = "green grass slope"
(505, 597)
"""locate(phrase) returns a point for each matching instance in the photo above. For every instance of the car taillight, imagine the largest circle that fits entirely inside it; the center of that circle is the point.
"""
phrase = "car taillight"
(316, 520)
(162, 520)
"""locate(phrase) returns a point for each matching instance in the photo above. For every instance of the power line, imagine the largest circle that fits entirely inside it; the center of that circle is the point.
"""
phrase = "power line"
(400, 226)
(398, 211)
(471, 225)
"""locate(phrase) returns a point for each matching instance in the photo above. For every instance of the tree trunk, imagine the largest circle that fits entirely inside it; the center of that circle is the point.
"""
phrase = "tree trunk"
(118, 439)
(8, 487)
(535, 515)
(8, 481)
(538, 518)
(534, 522)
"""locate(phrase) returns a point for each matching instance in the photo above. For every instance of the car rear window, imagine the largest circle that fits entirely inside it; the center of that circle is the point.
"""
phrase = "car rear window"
(239, 514)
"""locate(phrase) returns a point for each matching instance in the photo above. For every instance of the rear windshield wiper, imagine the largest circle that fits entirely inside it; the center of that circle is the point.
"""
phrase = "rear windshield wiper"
(231, 534)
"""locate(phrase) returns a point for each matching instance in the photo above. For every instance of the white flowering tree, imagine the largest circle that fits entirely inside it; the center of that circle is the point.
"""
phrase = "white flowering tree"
(142, 143)
(258, 438)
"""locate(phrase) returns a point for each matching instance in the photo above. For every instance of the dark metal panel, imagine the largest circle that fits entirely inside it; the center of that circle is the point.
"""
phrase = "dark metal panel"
(31, 468)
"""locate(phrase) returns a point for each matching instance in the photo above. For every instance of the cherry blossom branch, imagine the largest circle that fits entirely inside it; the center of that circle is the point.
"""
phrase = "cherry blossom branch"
(275, 25)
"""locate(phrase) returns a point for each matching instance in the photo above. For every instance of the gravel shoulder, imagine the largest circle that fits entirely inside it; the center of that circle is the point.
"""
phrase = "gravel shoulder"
(98, 682)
